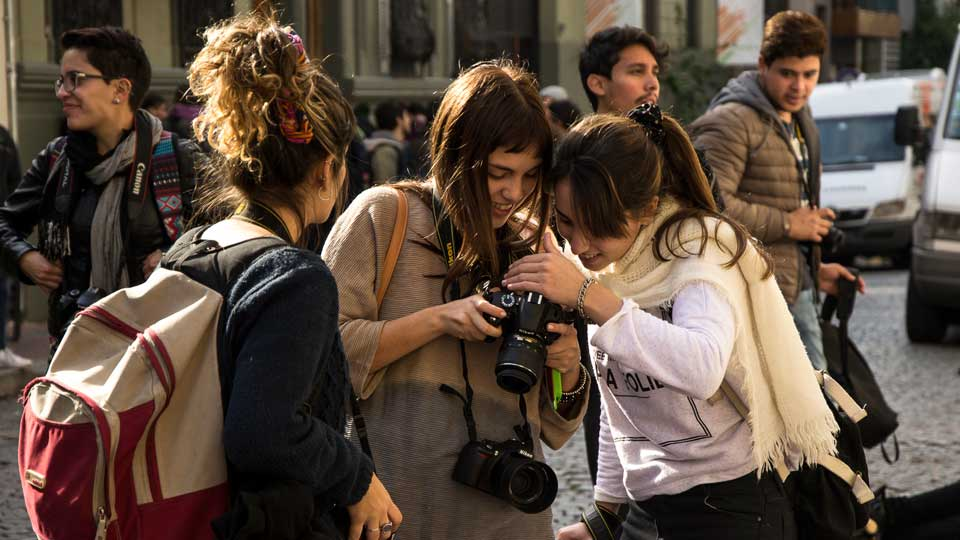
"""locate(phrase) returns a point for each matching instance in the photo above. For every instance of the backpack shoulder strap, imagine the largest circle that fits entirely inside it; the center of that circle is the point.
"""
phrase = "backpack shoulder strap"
(396, 244)
(165, 179)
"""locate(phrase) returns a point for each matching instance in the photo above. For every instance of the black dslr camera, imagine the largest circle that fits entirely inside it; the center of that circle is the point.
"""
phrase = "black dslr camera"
(832, 241)
(73, 302)
(525, 337)
(507, 471)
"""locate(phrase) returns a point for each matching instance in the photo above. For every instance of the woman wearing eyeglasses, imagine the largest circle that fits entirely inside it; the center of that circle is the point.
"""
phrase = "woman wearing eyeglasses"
(108, 197)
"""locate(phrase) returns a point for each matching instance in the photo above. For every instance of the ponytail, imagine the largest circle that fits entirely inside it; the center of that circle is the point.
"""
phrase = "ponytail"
(684, 179)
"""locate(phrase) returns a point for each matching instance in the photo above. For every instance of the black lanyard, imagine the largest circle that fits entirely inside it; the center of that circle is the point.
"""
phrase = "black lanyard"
(450, 242)
(265, 217)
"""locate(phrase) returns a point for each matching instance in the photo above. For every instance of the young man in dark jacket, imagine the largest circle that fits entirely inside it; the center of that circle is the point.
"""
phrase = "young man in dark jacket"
(764, 147)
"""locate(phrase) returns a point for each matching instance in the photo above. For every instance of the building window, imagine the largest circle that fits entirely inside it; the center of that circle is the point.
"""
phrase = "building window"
(70, 14)
(190, 18)
(772, 7)
(487, 29)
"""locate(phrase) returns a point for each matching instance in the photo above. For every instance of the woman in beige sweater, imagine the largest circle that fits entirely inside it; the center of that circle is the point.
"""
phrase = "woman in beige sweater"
(490, 144)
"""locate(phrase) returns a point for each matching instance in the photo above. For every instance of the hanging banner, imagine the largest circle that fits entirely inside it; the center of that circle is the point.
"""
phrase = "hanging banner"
(739, 31)
(603, 14)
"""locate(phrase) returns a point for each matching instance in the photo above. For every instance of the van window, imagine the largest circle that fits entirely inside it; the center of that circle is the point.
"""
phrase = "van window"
(859, 139)
(953, 117)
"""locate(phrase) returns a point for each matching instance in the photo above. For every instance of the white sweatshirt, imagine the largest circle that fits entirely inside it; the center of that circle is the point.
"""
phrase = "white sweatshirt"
(658, 433)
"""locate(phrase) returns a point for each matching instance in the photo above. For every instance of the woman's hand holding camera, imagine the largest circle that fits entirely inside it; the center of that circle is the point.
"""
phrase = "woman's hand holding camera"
(45, 274)
(375, 512)
(548, 273)
(577, 531)
(563, 354)
(463, 319)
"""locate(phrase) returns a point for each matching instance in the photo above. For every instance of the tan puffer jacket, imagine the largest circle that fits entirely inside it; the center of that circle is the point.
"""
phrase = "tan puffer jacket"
(757, 171)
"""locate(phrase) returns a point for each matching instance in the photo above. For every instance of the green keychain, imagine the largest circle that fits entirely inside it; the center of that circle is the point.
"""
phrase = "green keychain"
(557, 388)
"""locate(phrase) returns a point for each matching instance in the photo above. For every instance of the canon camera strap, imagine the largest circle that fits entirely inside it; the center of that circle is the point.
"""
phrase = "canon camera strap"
(137, 181)
(450, 242)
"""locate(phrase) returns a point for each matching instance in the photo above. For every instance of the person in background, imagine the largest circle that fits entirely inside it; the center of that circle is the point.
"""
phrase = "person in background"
(620, 69)
(74, 190)
(362, 112)
(157, 104)
(186, 108)
(10, 169)
(388, 148)
(764, 147)
(417, 141)
(553, 93)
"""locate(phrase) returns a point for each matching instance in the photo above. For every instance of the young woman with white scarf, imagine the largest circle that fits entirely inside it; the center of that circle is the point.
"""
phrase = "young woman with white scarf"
(685, 301)
(75, 187)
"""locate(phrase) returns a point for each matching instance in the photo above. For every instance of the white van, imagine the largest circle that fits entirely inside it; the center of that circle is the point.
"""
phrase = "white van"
(872, 182)
(933, 294)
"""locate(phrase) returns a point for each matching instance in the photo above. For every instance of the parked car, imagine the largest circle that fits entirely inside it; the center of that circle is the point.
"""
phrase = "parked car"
(933, 293)
(870, 178)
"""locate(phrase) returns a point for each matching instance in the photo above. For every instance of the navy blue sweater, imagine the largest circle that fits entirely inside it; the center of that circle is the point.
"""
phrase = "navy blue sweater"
(282, 368)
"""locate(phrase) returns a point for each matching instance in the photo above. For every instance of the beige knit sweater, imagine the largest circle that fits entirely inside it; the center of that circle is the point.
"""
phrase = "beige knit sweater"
(416, 431)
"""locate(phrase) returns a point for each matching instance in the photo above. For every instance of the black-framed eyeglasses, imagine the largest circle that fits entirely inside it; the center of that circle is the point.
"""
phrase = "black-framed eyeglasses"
(73, 79)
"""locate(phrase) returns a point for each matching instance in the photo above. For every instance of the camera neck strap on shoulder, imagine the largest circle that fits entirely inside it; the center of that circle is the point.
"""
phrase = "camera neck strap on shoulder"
(264, 217)
(450, 242)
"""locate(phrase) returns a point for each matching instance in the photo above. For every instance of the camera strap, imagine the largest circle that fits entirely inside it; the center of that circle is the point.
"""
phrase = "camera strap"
(450, 240)
(265, 217)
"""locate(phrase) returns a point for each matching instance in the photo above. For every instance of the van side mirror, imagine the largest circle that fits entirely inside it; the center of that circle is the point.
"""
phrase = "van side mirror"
(906, 129)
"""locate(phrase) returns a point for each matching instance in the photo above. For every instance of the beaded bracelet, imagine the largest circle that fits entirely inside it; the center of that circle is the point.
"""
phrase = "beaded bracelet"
(571, 396)
(582, 295)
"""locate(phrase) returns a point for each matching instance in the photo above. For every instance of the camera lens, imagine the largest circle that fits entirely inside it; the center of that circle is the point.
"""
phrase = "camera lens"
(530, 486)
(519, 363)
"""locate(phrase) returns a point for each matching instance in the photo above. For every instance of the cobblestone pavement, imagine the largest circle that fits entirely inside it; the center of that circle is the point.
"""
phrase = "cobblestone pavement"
(920, 381)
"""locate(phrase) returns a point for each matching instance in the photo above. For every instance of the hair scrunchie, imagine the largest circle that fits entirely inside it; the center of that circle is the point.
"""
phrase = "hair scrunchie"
(650, 119)
(294, 123)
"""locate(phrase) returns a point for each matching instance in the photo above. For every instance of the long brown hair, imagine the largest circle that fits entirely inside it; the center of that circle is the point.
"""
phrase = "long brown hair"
(615, 171)
(494, 104)
(247, 64)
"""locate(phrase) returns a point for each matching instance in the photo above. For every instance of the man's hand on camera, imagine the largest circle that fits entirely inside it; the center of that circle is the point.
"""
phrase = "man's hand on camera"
(831, 273)
(810, 224)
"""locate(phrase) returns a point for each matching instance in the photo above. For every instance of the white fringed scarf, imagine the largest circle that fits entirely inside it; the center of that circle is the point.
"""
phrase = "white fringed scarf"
(788, 416)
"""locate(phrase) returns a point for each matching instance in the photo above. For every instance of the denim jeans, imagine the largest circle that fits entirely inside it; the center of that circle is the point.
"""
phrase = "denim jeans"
(805, 316)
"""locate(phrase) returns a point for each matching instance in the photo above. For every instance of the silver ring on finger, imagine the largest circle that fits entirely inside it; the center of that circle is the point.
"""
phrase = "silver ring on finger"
(386, 528)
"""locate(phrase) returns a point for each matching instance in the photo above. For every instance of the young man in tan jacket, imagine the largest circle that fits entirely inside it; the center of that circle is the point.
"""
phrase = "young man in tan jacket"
(764, 147)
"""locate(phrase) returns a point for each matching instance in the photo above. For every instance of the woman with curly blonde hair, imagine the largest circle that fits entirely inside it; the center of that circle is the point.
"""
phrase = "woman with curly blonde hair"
(279, 128)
